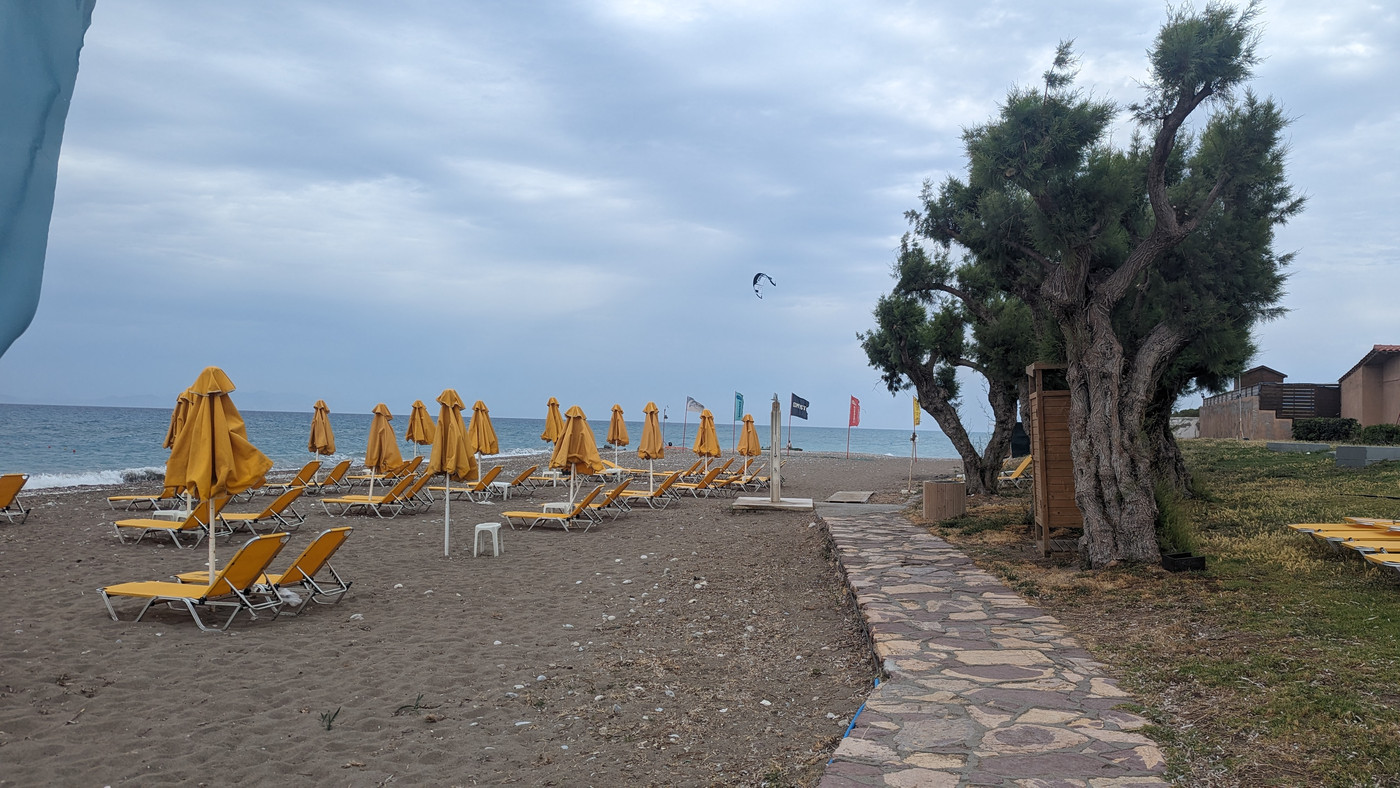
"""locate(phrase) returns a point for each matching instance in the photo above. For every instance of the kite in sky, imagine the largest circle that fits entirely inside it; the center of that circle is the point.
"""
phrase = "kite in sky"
(758, 276)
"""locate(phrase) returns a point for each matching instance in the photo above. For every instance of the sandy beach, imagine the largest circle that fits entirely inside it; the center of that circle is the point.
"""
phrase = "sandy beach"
(688, 646)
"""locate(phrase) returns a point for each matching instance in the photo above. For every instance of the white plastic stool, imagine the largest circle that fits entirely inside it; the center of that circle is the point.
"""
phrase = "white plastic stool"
(482, 529)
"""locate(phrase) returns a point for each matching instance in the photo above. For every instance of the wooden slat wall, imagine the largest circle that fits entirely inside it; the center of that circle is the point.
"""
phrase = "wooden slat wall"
(1052, 466)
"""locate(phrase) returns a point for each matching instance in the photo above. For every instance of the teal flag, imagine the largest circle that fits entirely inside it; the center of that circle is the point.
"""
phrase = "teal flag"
(738, 406)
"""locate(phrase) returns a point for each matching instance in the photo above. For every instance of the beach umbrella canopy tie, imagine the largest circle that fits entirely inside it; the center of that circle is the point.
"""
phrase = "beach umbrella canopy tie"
(382, 451)
(652, 447)
(480, 434)
(212, 456)
(576, 450)
(452, 455)
(322, 438)
(553, 422)
(420, 425)
(617, 431)
(706, 440)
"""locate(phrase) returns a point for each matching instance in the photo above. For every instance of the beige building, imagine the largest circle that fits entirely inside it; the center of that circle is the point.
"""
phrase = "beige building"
(1263, 407)
(1371, 389)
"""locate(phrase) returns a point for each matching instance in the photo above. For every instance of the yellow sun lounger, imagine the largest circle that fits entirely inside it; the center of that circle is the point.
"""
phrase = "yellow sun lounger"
(10, 485)
(479, 490)
(392, 501)
(232, 587)
(1018, 474)
(563, 518)
(193, 524)
(315, 559)
(335, 480)
(702, 486)
(658, 498)
(303, 478)
(277, 512)
(170, 494)
(521, 482)
(612, 502)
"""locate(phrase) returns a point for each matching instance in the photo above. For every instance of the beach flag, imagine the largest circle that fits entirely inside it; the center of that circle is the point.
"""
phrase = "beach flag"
(854, 422)
(691, 406)
(799, 407)
(918, 411)
(738, 414)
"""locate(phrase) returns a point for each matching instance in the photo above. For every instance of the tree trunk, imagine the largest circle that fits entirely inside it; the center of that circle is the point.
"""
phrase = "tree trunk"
(947, 417)
(1113, 483)
(1167, 463)
(1002, 398)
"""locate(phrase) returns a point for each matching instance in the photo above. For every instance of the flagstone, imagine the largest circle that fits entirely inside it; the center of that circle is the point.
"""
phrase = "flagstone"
(1003, 657)
(868, 750)
(921, 778)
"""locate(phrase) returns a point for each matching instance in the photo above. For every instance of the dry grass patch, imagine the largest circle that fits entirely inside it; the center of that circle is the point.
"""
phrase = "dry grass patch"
(1279, 665)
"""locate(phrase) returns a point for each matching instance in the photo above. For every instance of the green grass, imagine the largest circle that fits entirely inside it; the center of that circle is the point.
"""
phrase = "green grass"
(1279, 665)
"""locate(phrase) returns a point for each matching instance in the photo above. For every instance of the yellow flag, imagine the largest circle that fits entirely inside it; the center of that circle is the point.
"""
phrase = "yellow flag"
(917, 411)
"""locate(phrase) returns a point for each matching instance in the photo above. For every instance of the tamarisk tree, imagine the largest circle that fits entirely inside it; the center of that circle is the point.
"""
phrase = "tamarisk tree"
(1094, 238)
(937, 319)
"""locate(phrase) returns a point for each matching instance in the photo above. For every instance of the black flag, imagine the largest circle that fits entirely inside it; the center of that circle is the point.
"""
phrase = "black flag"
(799, 407)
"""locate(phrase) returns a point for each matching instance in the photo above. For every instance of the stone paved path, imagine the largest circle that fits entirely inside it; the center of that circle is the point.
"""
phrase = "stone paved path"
(983, 688)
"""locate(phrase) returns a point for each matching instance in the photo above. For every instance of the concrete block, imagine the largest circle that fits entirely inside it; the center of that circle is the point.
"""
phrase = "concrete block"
(1361, 456)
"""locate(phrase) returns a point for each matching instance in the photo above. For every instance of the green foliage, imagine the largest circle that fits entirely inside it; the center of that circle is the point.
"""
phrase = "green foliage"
(1324, 430)
(328, 718)
(1187, 412)
(1379, 435)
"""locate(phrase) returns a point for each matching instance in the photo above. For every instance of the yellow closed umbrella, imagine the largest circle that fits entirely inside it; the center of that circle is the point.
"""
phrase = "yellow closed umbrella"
(211, 455)
(553, 422)
(652, 447)
(706, 441)
(576, 448)
(420, 426)
(322, 438)
(382, 452)
(451, 455)
(617, 431)
(748, 442)
(480, 434)
(177, 417)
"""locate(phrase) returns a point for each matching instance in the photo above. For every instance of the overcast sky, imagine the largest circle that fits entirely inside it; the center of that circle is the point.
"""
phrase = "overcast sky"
(364, 202)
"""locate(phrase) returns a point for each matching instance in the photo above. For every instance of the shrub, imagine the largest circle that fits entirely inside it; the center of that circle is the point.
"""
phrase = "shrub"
(1324, 430)
(1188, 412)
(1379, 435)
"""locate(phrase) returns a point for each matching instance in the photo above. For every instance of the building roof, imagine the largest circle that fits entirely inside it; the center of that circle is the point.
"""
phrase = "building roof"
(1378, 354)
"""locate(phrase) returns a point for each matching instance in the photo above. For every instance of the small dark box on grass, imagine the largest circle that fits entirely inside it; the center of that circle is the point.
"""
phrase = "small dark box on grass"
(1183, 562)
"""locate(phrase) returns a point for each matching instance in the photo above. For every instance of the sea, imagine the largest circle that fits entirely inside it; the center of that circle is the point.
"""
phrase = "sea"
(74, 445)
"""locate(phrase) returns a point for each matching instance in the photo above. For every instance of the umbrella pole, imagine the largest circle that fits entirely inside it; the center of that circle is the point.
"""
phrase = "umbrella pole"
(210, 525)
(651, 476)
(572, 478)
(447, 516)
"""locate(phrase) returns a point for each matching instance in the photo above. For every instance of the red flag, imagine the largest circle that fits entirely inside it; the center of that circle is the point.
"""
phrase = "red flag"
(855, 412)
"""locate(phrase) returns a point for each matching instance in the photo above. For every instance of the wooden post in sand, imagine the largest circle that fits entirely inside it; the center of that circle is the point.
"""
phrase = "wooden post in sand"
(775, 465)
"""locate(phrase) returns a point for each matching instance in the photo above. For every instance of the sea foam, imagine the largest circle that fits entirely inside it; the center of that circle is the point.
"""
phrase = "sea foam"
(44, 481)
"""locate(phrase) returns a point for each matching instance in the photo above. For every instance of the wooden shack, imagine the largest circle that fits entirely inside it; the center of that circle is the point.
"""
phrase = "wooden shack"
(1051, 465)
